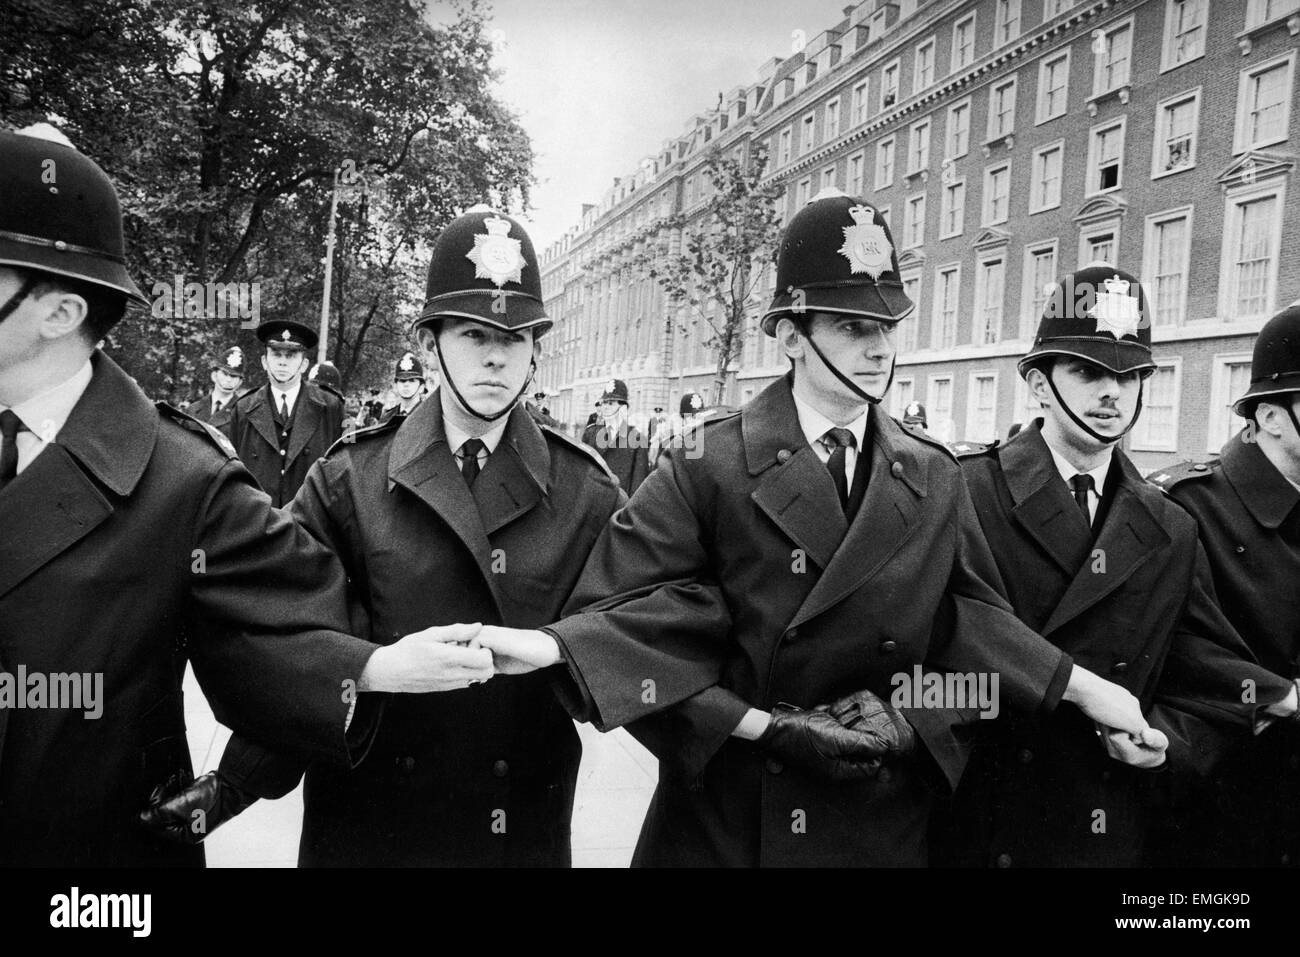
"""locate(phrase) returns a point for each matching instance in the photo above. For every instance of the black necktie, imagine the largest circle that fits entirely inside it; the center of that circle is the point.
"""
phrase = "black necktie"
(284, 408)
(1082, 485)
(10, 426)
(469, 459)
(839, 441)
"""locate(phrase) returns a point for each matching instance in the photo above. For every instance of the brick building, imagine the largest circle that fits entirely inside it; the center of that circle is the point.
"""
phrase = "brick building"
(1008, 142)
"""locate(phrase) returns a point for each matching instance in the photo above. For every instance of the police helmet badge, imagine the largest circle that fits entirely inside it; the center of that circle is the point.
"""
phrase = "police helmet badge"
(407, 363)
(235, 359)
(913, 408)
(1116, 311)
(286, 335)
(866, 246)
(496, 256)
(696, 402)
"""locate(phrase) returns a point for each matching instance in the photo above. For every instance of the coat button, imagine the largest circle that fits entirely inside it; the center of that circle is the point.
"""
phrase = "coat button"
(896, 470)
(500, 769)
(1200, 467)
(1004, 860)
(883, 776)
(408, 764)
(887, 647)
(1024, 755)
(282, 451)
(1240, 549)
(773, 766)
(792, 634)
(783, 456)
(1119, 667)
(1105, 775)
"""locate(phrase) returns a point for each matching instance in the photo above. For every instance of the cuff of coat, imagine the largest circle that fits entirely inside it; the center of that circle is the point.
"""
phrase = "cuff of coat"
(1056, 687)
(570, 687)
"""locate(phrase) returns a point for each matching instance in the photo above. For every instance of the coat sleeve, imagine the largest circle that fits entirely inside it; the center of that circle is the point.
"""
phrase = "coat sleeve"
(640, 463)
(270, 642)
(645, 627)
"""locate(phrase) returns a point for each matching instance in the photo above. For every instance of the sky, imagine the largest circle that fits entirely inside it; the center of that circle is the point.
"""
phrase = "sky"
(599, 84)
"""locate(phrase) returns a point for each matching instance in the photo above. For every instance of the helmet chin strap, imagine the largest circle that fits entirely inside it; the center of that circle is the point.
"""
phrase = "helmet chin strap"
(505, 410)
(1103, 439)
(17, 298)
(849, 383)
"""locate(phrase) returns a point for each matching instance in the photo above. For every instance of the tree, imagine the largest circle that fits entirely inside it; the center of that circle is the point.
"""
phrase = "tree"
(223, 124)
(723, 254)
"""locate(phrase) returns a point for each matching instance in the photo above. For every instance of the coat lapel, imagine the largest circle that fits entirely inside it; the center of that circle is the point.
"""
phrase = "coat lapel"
(796, 491)
(306, 420)
(1130, 535)
(56, 502)
(514, 479)
(259, 414)
(885, 521)
(1043, 505)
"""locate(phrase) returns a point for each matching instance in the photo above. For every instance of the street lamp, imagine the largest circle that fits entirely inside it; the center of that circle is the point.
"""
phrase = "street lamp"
(323, 344)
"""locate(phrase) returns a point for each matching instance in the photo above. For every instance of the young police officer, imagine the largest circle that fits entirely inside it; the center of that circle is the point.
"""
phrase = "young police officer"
(1108, 570)
(618, 441)
(408, 377)
(227, 373)
(850, 561)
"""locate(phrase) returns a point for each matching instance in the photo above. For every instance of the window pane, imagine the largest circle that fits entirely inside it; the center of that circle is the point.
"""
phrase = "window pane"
(1254, 256)
(1170, 238)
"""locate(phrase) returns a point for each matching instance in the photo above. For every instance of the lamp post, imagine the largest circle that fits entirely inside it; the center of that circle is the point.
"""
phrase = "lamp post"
(323, 345)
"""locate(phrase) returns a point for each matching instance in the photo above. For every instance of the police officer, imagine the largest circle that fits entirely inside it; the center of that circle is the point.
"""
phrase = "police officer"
(914, 415)
(617, 440)
(282, 428)
(848, 553)
(689, 408)
(1109, 571)
(132, 541)
(465, 510)
(1247, 505)
(227, 374)
(408, 376)
(326, 375)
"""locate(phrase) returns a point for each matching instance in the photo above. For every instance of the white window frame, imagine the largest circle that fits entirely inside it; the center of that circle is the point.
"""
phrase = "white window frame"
(1095, 231)
(831, 120)
(913, 231)
(785, 151)
(1028, 288)
(977, 310)
(1054, 8)
(1139, 440)
(860, 158)
(894, 66)
(1161, 138)
(945, 210)
(1099, 62)
(928, 124)
(803, 193)
(807, 132)
(1033, 173)
(986, 213)
(1168, 46)
(992, 134)
(1150, 263)
(911, 325)
(1240, 141)
(941, 429)
(1255, 14)
(957, 64)
(834, 178)
(1000, 22)
(950, 148)
(1276, 188)
(1022, 407)
(936, 306)
(917, 85)
(897, 402)
(972, 380)
(1041, 115)
(877, 182)
(1221, 426)
(1094, 141)
(858, 102)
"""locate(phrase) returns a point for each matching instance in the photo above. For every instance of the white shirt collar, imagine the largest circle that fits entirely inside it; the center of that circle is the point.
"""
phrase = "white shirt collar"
(456, 437)
(1068, 471)
(815, 425)
(46, 413)
(290, 394)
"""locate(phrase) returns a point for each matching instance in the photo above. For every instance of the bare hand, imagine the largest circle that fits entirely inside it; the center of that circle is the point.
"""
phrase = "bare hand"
(1141, 751)
(1105, 702)
(429, 660)
(519, 650)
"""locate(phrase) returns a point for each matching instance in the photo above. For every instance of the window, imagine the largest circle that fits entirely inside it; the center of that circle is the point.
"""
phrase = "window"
(982, 408)
(856, 162)
(806, 132)
(1184, 32)
(858, 104)
(953, 210)
(997, 193)
(923, 67)
(803, 194)
(1045, 188)
(1176, 125)
(1157, 427)
(885, 163)
(784, 154)
(1105, 157)
(889, 85)
(1002, 109)
(940, 411)
(1054, 8)
(957, 142)
(1166, 248)
(963, 43)
(990, 285)
(831, 126)
(1113, 50)
(914, 221)
(1039, 277)
(1229, 381)
(1259, 12)
(901, 396)
(947, 292)
(1252, 234)
(1264, 103)
(1098, 245)
(828, 177)
(918, 154)
(1053, 86)
(1006, 21)
(908, 327)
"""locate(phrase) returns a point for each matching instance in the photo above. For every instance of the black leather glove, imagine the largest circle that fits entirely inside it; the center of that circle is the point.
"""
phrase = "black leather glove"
(817, 742)
(867, 714)
(187, 813)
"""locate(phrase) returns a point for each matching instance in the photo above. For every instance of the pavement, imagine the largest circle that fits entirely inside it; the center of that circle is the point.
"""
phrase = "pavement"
(615, 782)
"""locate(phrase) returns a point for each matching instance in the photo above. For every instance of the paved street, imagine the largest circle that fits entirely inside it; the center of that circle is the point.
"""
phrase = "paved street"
(614, 787)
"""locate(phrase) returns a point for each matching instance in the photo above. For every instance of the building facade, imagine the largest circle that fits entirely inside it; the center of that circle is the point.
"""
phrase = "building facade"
(1007, 142)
